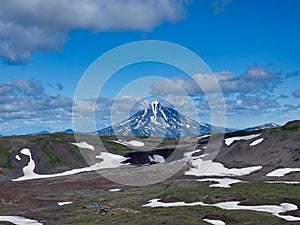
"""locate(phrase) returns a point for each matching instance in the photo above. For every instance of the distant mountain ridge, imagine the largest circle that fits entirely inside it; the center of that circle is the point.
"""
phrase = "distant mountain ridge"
(40, 132)
(69, 131)
(262, 127)
(158, 121)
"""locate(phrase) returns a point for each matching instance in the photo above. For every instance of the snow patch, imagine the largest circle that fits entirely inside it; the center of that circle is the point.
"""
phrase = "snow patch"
(154, 203)
(158, 159)
(204, 136)
(272, 209)
(85, 145)
(145, 112)
(282, 182)
(209, 168)
(222, 182)
(138, 125)
(154, 106)
(229, 141)
(64, 203)
(164, 115)
(214, 222)
(132, 143)
(18, 157)
(282, 172)
(115, 189)
(28, 170)
(258, 141)
(18, 220)
(108, 161)
(189, 155)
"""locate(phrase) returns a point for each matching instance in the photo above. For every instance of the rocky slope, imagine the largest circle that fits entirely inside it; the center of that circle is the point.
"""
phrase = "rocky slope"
(51, 152)
(279, 147)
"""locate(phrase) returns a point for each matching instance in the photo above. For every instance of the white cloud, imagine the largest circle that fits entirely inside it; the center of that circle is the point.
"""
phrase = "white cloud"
(43, 25)
(259, 73)
(126, 103)
(253, 80)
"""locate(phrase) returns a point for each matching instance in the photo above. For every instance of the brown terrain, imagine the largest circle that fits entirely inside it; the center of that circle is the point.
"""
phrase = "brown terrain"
(54, 153)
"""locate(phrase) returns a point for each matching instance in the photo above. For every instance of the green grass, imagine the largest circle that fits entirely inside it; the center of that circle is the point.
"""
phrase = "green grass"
(115, 148)
(134, 197)
(176, 215)
(5, 161)
(75, 150)
(293, 126)
(52, 159)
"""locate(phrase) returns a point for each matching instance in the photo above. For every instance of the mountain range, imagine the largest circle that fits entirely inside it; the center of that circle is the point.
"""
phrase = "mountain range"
(262, 127)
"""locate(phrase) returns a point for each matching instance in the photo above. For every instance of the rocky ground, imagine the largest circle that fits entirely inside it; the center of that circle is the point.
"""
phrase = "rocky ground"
(37, 199)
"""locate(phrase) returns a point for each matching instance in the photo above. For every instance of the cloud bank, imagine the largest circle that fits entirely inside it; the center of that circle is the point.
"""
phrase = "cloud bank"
(23, 99)
(43, 25)
(254, 79)
(25, 103)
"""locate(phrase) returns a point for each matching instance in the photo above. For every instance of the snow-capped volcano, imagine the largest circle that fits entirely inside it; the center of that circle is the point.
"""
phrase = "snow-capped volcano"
(157, 121)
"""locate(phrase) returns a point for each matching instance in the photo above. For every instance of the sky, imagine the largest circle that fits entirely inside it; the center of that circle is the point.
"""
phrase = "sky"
(251, 47)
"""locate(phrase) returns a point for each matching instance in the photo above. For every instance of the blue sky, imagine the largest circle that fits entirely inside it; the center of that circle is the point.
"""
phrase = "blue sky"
(45, 46)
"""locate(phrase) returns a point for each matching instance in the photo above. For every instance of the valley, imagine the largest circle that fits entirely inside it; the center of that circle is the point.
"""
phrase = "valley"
(259, 178)
(37, 200)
